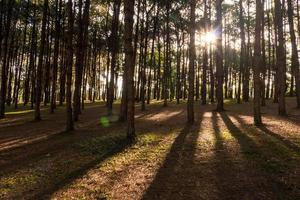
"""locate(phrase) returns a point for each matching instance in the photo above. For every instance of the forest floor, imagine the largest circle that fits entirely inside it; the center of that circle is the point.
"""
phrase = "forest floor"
(222, 156)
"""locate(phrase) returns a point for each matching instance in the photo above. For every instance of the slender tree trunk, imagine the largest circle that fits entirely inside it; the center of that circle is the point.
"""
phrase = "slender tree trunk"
(257, 64)
(129, 65)
(295, 58)
(247, 63)
(38, 93)
(178, 64)
(167, 57)
(269, 57)
(152, 58)
(62, 76)
(280, 56)
(18, 74)
(82, 39)
(5, 62)
(192, 55)
(56, 52)
(114, 52)
(243, 48)
(69, 64)
(144, 60)
(78, 64)
(264, 62)
(219, 57)
(158, 81)
(46, 81)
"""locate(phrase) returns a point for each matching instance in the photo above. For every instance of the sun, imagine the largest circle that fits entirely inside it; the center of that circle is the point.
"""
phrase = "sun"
(209, 37)
(206, 38)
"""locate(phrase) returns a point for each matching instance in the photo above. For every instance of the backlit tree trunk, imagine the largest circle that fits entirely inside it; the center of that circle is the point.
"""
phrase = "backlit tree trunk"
(38, 93)
(219, 57)
(280, 56)
(69, 64)
(129, 65)
(295, 59)
(192, 55)
(257, 64)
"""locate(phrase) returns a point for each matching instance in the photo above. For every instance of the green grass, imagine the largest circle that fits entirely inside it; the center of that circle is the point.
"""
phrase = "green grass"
(102, 145)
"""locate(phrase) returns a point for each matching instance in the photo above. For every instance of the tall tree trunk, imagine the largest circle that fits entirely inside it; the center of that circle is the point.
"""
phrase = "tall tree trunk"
(264, 62)
(269, 56)
(1, 23)
(144, 59)
(58, 6)
(158, 81)
(5, 62)
(219, 57)
(18, 75)
(247, 63)
(192, 55)
(243, 48)
(257, 64)
(152, 58)
(47, 62)
(280, 56)
(295, 59)
(114, 51)
(129, 65)
(69, 65)
(62, 75)
(167, 56)
(39, 80)
(82, 39)
(78, 64)
(178, 65)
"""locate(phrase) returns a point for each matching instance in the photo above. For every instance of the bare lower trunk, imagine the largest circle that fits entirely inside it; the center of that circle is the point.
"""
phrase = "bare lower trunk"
(129, 65)
(219, 57)
(69, 64)
(191, 75)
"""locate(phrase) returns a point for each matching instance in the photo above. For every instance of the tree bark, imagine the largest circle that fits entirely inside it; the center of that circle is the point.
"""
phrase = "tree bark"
(219, 57)
(5, 62)
(56, 53)
(280, 56)
(129, 65)
(114, 51)
(69, 65)
(192, 55)
(39, 80)
(295, 58)
(257, 64)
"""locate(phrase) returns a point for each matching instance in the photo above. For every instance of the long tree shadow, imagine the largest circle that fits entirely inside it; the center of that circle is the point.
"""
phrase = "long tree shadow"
(230, 182)
(119, 146)
(285, 141)
(176, 178)
(53, 144)
(289, 144)
(61, 150)
(269, 160)
(60, 175)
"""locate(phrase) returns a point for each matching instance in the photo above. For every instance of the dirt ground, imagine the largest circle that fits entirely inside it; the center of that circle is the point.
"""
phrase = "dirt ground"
(221, 156)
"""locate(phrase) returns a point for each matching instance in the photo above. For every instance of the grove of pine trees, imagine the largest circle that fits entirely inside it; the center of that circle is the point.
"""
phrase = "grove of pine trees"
(162, 99)
(56, 52)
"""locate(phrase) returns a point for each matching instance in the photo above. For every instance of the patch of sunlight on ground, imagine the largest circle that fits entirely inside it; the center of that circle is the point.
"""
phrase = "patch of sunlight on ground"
(164, 115)
(226, 135)
(19, 112)
(20, 180)
(143, 158)
(207, 114)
